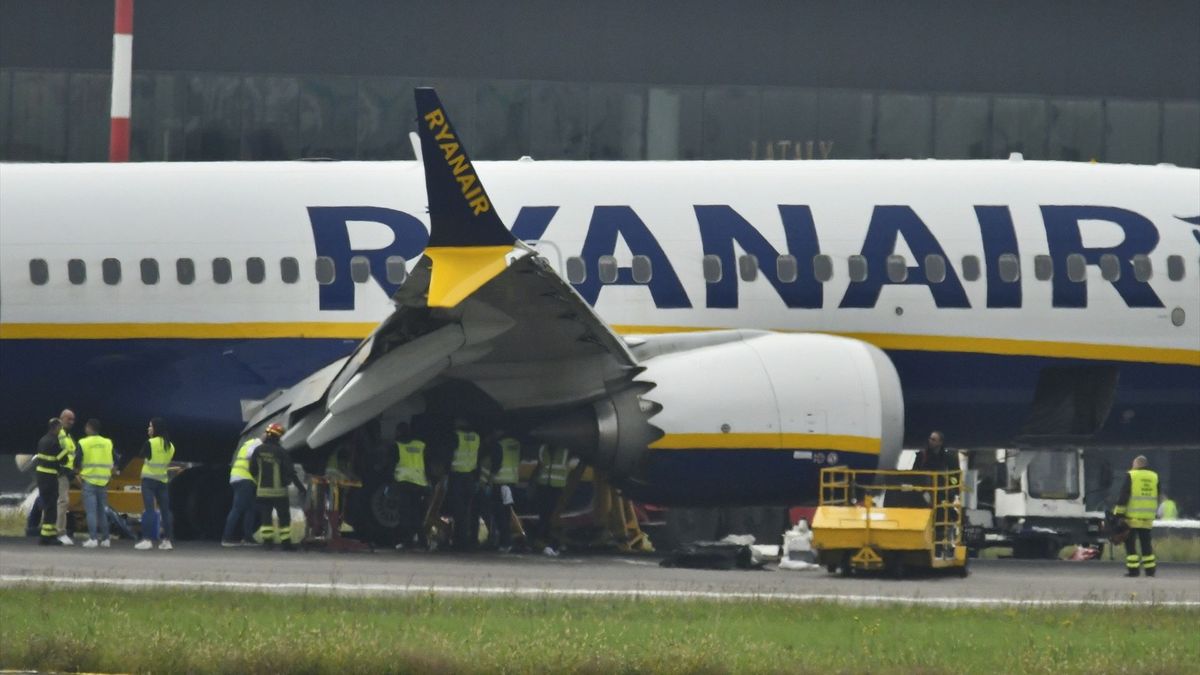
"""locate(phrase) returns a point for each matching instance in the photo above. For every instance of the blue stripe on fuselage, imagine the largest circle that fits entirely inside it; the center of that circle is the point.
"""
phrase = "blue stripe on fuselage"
(977, 399)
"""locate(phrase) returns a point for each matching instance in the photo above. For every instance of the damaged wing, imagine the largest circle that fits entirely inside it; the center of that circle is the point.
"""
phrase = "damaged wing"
(480, 306)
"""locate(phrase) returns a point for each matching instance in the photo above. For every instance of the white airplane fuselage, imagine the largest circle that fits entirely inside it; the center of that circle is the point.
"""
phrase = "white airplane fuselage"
(1009, 272)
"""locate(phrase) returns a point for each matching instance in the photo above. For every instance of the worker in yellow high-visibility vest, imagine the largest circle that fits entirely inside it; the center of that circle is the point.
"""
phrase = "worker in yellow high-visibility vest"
(242, 511)
(502, 459)
(460, 488)
(549, 479)
(65, 473)
(412, 487)
(157, 454)
(1138, 503)
(96, 467)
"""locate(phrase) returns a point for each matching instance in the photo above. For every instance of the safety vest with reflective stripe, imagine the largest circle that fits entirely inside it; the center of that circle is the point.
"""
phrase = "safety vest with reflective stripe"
(1168, 510)
(510, 462)
(241, 462)
(466, 453)
(97, 459)
(1143, 498)
(67, 443)
(155, 467)
(553, 469)
(410, 466)
(51, 463)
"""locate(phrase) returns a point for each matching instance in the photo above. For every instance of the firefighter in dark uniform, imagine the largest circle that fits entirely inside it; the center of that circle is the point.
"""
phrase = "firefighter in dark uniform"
(51, 460)
(273, 471)
(1138, 504)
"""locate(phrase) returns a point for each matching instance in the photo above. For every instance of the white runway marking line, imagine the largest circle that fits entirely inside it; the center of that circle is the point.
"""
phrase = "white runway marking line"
(502, 591)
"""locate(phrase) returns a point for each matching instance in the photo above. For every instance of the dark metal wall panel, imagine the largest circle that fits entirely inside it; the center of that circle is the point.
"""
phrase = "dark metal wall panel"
(731, 118)
(212, 125)
(270, 118)
(1132, 131)
(1062, 48)
(847, 119)
(503, 123)
(328, 120)
(1076, 130)
(788, 126)
(904, 129)
(88, 116)
(962, 127)
(559, 119)
(38, 122)
(1181, 133)
(616, 122)
(386, 114)
(1019, 125)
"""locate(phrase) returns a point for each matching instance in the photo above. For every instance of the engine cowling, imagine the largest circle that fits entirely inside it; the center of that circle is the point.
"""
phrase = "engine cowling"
(742, 418)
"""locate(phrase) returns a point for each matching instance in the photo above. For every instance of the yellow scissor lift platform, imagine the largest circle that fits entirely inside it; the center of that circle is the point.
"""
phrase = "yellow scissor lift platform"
(918, 526)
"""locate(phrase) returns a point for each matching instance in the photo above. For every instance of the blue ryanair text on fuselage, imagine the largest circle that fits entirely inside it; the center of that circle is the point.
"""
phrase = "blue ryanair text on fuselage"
(721, 227)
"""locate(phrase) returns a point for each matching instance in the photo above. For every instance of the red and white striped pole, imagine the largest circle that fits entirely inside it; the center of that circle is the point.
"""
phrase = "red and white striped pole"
(122, 77)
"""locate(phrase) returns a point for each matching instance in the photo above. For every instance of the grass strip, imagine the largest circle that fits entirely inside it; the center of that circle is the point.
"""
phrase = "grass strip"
(204, 632)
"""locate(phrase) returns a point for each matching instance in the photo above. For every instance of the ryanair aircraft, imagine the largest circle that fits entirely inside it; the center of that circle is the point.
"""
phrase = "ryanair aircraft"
(705, 332)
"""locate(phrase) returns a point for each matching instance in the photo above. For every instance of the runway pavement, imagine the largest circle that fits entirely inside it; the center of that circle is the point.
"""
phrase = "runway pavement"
(206, 565)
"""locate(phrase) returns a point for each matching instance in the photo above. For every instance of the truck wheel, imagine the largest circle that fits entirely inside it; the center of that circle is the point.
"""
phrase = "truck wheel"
(846, 569)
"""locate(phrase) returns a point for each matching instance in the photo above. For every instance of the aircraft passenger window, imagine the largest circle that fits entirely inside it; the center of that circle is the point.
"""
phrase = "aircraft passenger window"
(256, 270)
(1010, 268)
(325, 270)
(289, 270)
(935, 268)
(222, 270)
(858, 268)
(149, 269)
(786, 268)
(608, 269)
(76, 271)
(1142, 270)
(1175, 267)
(641, 269)
(39, 272)
(110, 269)
(748, 268)
(970, 267)
(897, 269)
(712, 269)
(1043, 267)
(576, 270)
(360, 269)
(1076, 267)
(822, 268)
(185, 271)
(395, 269)
(1110, 267)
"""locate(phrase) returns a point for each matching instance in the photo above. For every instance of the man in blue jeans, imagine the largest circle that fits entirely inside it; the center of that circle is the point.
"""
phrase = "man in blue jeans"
(241, 483)
(94, 460)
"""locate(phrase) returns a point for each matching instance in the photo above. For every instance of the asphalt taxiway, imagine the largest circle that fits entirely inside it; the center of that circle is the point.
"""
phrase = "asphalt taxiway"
(386, 572)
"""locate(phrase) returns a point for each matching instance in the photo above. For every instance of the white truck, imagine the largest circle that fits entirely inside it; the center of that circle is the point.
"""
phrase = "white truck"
(1028, 499)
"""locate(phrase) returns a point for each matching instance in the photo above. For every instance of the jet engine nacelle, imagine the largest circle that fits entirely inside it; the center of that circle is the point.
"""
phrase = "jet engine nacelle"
(741, 417)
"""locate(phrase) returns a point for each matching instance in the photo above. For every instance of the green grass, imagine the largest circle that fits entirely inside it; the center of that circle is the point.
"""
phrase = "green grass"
(12, 522)
(188, 631)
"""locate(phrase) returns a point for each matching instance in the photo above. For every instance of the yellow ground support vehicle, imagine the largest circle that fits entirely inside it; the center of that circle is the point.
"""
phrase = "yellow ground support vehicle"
(892, 521)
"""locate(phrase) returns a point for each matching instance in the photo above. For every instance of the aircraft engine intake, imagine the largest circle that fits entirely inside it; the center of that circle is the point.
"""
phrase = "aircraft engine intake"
(740, 417)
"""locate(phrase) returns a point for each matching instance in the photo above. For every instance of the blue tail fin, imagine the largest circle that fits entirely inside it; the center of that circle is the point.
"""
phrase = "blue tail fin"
(460, 211)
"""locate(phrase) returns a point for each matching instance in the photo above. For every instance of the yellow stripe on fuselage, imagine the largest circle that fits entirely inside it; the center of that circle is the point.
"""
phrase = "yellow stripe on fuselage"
(748, 441)
(357, 331)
